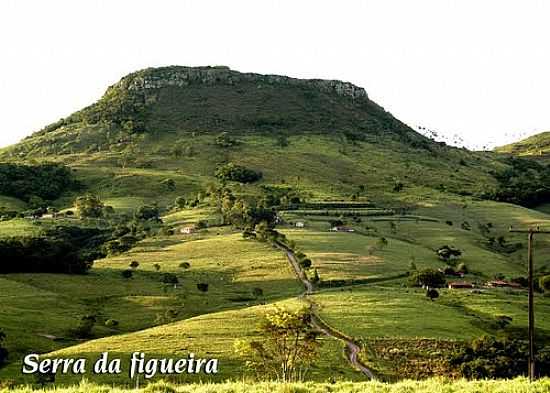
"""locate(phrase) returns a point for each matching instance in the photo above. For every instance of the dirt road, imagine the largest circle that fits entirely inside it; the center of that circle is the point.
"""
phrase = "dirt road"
(352, 348)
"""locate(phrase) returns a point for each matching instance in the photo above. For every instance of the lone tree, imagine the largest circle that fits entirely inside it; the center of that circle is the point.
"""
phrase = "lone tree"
(88, 206)
(432, 294)
(288, 347)
(427, 278)
(134, 264)
(446, 253)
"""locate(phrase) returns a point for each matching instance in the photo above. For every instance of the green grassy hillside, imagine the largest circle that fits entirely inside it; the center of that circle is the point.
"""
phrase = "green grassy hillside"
(536, 145)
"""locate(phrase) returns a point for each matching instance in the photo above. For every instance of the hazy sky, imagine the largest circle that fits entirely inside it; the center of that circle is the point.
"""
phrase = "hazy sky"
(479, 69)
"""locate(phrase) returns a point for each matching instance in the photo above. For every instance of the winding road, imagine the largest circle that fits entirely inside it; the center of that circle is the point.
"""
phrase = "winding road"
(352, 348)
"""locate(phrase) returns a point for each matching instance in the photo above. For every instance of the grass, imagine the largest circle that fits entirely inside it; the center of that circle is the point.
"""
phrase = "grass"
(346, 256)
(10, 203)
(208, 336)
(53, 303)
(519, 385)
(375, 311)
(18, 227)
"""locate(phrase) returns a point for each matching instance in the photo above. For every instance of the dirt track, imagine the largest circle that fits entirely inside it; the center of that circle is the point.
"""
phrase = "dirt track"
(352, 348)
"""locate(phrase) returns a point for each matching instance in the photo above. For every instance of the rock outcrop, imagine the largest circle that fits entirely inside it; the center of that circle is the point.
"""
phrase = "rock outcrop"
(157, 78)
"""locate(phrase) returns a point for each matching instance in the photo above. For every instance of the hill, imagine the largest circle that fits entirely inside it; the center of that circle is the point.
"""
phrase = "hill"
(182, 123)
(536, 146)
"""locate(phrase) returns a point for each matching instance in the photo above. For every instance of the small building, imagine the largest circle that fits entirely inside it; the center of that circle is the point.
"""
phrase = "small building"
(299, 224)
(188, 229)
(503, 284)
(460, 285)
(342, 228)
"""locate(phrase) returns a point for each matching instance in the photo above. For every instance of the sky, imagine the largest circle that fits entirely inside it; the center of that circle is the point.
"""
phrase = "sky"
(478, 70)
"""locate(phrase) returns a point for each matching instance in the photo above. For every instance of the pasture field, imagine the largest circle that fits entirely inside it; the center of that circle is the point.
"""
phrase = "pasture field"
(207, 336)
(371, 311)
(38, 310)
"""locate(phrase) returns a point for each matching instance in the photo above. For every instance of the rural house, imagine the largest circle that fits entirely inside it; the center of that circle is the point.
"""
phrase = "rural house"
(188, 229)
(460, 285)
(502, 284)
(342, 228)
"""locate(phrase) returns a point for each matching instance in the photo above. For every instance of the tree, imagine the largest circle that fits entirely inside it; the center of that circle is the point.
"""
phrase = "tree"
(3, 351)
(127, 273)
(491, 357)
(238, 173)
(156, 266)
(381, 243)
(446, 253)
(202, 286)
(170, 278)
(169, 184)
(180, 202)
(257, 292)
(84, 328)
(147, 213)
(544, 283)
(429, 278)
(134, 264)
(88, 206)
(432, 294)
(288, 347)
(316, 279)
(185, 265)
(305, 263)
(224, 140)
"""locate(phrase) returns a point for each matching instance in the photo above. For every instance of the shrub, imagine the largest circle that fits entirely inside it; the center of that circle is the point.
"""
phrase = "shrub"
(169, 278)
(134, 264)
(544, 283)
(316, 278)
(180, 202)
(156, 266)
(127, 273)
(225, 140)
(232, 172)
(432, 294)
(169, 184)
(305, 263)
(445, 253)
(185, 265)
(203, 287)
(257, 292)
(147, 213)
(84, 328)
(111, 323)
(523, 281)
